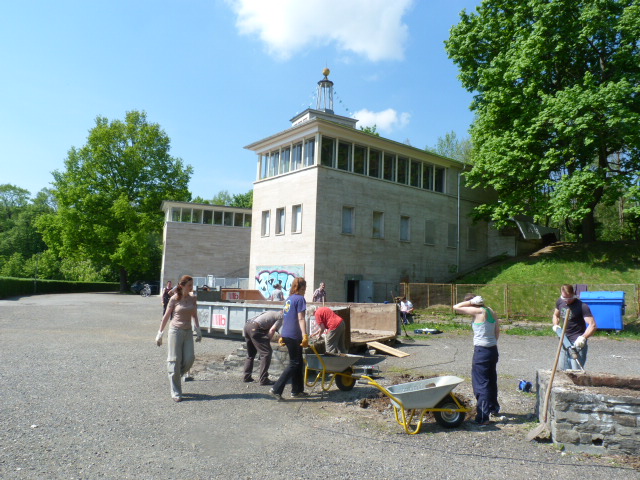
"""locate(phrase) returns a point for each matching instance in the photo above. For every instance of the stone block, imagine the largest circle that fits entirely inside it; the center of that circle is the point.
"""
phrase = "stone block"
(627, 420)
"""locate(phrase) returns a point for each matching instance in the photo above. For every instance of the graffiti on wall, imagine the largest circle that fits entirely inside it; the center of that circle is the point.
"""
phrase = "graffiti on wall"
(267, 277)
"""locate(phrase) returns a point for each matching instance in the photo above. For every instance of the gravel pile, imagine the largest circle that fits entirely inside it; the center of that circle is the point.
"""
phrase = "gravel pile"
(85, 396)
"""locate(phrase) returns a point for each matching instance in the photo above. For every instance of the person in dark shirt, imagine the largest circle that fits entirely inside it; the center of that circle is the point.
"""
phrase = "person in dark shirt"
(580, 326)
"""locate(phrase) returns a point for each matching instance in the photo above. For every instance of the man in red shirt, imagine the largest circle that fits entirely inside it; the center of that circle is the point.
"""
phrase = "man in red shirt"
(327, 319)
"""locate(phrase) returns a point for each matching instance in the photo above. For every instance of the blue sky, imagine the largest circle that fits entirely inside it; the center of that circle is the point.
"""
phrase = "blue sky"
(218, 75)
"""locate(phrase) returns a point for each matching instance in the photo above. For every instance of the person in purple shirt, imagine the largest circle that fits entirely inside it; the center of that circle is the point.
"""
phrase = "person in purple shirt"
(294, 336)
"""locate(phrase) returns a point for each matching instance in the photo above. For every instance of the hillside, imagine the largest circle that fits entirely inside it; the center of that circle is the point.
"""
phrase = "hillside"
(563, 262)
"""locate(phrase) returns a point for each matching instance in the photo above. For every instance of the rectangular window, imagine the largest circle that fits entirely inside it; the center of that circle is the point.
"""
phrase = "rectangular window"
(429, 232)
(375, 163)
(472, 237)
(414, 173)
(186, 215)
(405, 229)
(309, 152)
(175, 214)
(217, 218)
(274, 160)
(378, 225)
(207, 217)
(280, 218)
(348, 220)
(452, 236)
(296, 159)
(344, 156)
(197, 216)
(439, 179)
(228, 219)
(389, 169)
(264, 165)
(427, 176)
(328, 151)
(285, 160)
(296, 219)
(360, 159)
(237, 220)
(247, 220)
(266, 218)
(403, 170)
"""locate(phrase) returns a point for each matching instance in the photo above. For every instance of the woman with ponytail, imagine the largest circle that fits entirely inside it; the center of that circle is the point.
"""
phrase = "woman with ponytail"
(184, 308)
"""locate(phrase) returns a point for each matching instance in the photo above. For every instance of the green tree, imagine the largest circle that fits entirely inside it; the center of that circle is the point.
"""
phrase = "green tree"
(243, 200)
(371, 130)
(222, 198)
(451, 147)
(557, 94)
(109, 198)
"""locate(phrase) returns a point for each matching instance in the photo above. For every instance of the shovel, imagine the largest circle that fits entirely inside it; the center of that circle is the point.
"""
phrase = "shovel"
(542, 431)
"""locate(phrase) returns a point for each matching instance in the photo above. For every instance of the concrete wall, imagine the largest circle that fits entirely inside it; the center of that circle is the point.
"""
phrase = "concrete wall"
(199, 250)
(387, 259)
(287, 249)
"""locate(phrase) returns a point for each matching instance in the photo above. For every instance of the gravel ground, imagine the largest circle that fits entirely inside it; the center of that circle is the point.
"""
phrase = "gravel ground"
(85, 395)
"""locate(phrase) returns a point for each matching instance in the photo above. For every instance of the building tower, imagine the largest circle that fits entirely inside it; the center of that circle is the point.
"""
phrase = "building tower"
(325, 93)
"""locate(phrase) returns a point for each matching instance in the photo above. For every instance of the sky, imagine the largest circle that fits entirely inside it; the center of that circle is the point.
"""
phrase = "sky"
(218, 75)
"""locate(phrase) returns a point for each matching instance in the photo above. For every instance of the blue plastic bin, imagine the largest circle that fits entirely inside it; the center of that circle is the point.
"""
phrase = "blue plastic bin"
(607, 308)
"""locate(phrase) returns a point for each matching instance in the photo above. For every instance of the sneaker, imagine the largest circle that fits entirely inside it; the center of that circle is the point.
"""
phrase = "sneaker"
(276, 395)
(299, 395)
(177, 399)
(188, 378)
(483, 424)
(247, 380)
(268, 382)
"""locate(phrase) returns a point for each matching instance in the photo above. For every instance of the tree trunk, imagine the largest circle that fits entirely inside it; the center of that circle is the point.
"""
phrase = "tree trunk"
(589, 228)
(124, 280)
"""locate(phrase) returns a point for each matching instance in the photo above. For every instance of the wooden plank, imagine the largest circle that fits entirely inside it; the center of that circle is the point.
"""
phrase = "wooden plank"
(390, 350)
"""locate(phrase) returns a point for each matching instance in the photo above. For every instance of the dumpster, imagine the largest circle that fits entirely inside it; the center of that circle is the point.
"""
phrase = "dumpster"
(607, 308)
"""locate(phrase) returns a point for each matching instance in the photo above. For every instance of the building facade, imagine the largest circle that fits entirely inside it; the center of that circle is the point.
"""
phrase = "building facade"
(201, 240)
(354, 210)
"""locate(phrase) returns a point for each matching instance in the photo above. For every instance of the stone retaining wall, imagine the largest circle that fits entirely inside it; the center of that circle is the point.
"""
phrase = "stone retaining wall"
(592, 413)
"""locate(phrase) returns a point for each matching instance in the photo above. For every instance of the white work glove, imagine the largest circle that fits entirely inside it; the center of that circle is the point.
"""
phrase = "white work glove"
(159, 338)
(557, 329)
(580, 342)
(477, 301)
(198, 333)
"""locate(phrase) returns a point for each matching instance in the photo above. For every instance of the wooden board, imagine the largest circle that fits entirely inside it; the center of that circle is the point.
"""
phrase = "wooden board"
(390, 350)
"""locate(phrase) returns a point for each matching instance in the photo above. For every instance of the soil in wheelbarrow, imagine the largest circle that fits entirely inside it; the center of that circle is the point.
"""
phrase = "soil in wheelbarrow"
(380, 402)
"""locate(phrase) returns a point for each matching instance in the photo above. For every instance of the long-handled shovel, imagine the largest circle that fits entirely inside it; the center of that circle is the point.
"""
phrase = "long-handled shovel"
(542, 431)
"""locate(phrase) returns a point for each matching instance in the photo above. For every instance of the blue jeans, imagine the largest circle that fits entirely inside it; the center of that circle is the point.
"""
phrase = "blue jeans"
(295, 369)
(568, 363)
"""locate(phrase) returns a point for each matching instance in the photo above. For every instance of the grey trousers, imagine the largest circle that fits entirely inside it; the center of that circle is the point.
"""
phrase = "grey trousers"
(257, 342)
(335, 340)
(180, 357)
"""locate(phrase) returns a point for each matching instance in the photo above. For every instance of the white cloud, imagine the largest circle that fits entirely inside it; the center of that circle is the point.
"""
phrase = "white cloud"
(385, 121)
(371, 28)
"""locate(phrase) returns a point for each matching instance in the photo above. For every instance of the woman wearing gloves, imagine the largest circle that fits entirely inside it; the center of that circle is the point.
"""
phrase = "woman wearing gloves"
(580, 326)
(294, 336)
(181, 355)
(484, 376)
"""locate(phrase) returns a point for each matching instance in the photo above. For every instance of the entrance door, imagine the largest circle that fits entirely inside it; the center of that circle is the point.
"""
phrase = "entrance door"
(353, 289)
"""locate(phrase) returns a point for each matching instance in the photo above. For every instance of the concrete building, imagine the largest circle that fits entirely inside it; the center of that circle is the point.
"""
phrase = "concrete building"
(359, 212)
(201, 240)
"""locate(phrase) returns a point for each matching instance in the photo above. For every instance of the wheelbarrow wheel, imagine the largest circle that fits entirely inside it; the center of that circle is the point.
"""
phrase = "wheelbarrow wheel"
(346, 383)
(448, 419)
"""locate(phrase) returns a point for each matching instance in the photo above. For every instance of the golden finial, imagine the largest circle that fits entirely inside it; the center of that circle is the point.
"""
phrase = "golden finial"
(326, 72)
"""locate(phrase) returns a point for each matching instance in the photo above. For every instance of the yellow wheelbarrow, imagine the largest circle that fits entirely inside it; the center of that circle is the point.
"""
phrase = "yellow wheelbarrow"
(412, 401)
(329, 368)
